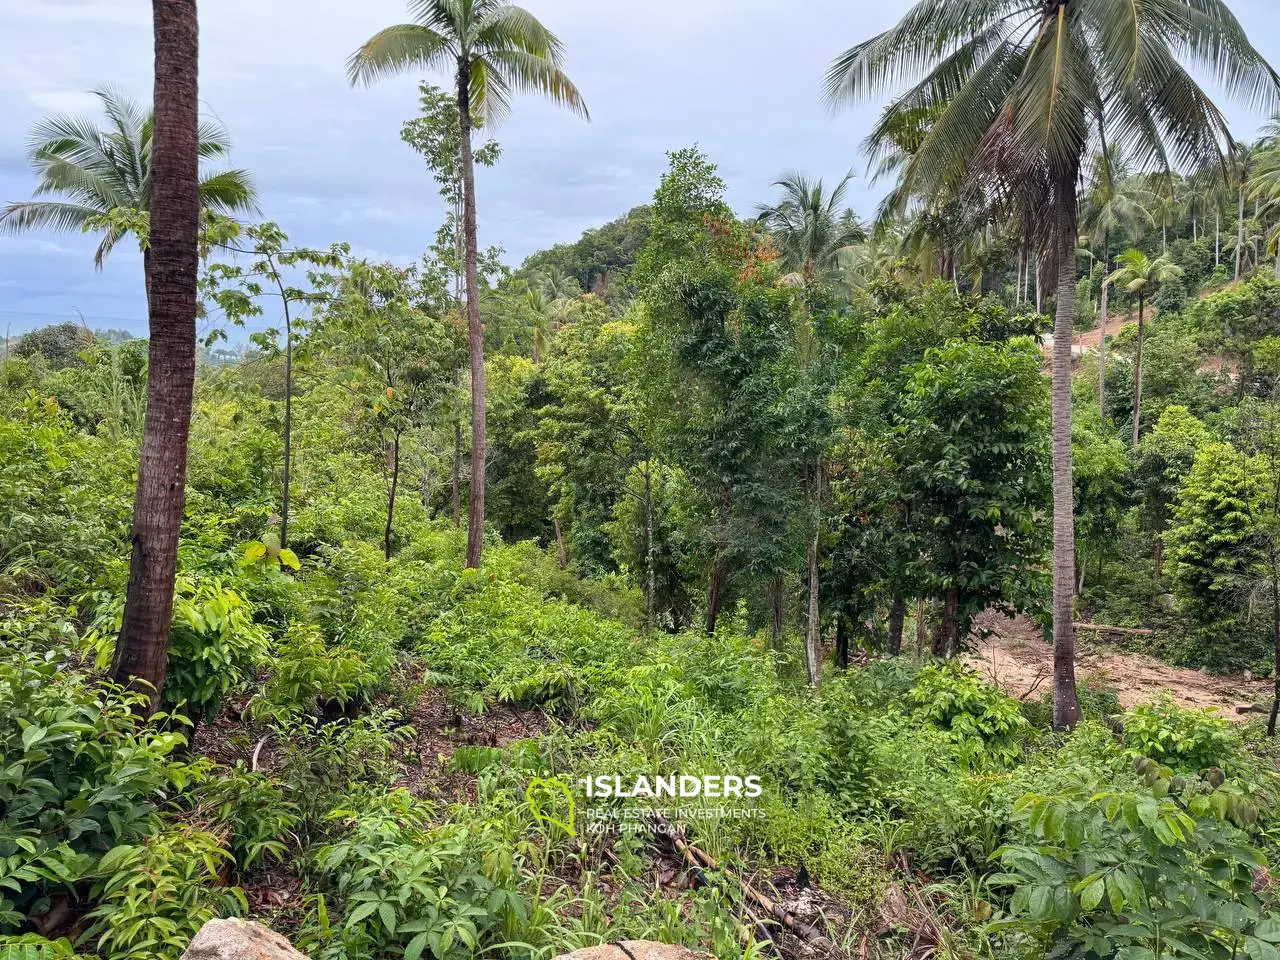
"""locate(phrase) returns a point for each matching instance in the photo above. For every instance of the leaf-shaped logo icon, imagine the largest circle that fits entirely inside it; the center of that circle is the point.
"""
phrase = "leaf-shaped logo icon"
(548, 788)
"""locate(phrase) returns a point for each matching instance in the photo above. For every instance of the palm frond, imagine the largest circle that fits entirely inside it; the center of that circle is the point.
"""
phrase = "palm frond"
(529, 73)
(228, 192)
(509, 27)
(926, 35)
(398, 48)
(33, 214)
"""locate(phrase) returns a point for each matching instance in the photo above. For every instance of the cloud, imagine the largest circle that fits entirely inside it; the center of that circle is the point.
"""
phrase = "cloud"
(28, 243)
(735, 76)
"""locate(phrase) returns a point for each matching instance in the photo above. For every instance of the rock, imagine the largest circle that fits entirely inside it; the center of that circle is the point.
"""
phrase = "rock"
(236, 939)
(635, 950)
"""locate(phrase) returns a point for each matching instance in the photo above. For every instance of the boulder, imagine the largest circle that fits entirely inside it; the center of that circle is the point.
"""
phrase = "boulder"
(635, 950)
(236, 939)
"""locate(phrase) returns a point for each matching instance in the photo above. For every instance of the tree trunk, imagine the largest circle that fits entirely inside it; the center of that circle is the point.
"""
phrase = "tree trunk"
(475, 329)
(391, 494)
(1240, 231)
(1102, 338)
(920, 627)
(142, 647)
(457, 474)
(651, 578)
(842, 642)
(562, 556)
(814, 626)
(1217, 238)
(897, 613)
(1066, 711)
(288, 424)
(715, 588)
(1137, 375)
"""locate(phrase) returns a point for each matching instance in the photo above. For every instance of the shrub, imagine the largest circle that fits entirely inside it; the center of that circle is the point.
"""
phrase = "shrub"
(252, 809)
(1159, 870)
(155, 895)
(975, 714)
(403, 886)
(1186, 740)
(80, 775)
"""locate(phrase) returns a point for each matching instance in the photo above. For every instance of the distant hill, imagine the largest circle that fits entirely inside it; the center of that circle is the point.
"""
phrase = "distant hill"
(601, 258)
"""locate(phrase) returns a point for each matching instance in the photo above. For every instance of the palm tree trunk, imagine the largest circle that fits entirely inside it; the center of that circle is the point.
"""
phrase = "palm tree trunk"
(1066, 711)
(1240, 232)
(391, 495)
(288, 423)
(1102, 337)
(1217, 238)
(651, 584)
(1137, 376)
(475, 328)
(142, 647)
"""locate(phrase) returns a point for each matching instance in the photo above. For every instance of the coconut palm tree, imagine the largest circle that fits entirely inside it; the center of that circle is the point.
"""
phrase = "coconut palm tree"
(1113, 199)
(1140, 275)
(810, 226)
(1264, 183)
(103, 172)
(172, 179)
(1023, 92)
(493, 49)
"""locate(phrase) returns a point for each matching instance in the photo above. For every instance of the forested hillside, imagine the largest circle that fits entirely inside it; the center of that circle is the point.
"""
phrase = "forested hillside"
(456, 610)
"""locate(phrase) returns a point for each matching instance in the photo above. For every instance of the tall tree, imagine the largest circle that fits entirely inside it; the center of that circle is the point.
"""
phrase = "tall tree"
(106, 175)
(174, 194)
(1112, 200)
(1021, 92)
(494, 50)
(1140, 275)
(810, 225)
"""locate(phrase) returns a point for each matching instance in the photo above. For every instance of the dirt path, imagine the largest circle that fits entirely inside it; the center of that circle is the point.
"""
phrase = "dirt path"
(1016, 658)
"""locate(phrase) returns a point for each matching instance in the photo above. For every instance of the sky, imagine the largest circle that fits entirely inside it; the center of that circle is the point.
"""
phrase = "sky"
(741, 78)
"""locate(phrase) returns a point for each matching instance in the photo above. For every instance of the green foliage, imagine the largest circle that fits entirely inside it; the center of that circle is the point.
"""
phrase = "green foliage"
(974, 713)
(1158, 870)
(1189, 741)
(405, 887)
(1214, 550)
(59, 345)
(253, 809)
(153, 896)
(82, 774)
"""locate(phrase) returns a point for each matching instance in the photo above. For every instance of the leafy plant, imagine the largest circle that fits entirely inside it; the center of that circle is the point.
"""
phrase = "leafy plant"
(1187, 740)
(1156, 870)
(81, 774)
(973, 712)
(155, 895)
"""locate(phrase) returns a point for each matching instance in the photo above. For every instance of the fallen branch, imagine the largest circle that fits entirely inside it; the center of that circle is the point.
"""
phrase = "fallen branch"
(1106, 628)
(789, 920)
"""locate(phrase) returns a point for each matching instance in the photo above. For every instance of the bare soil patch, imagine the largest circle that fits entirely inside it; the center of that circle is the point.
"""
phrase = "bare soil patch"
(1015, 657)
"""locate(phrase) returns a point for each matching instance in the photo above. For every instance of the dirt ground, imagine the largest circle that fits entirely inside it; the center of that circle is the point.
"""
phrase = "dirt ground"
(1016, 658)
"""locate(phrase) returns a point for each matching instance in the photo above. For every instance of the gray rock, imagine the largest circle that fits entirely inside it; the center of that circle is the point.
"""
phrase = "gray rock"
(635, 950)
(236, 939)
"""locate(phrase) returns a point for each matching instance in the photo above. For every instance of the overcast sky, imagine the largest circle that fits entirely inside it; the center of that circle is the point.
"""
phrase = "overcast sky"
(739, 77)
